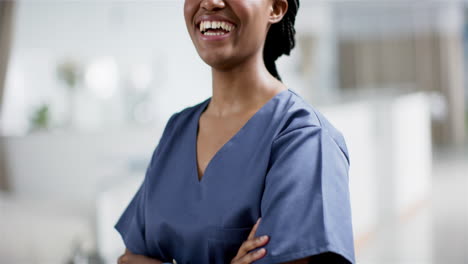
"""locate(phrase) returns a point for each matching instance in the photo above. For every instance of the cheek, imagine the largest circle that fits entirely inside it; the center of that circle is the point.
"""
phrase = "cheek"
(253, 15)
(190, 7)
(253, 34)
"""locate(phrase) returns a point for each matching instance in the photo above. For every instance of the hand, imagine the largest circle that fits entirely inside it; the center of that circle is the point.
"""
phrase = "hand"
(129, 258)
(243, 257)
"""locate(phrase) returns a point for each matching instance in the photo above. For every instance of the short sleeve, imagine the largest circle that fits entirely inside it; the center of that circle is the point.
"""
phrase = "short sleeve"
(131, 224)
(305, 205)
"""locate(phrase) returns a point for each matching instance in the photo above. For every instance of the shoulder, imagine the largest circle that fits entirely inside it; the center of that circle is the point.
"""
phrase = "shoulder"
(175, 125)
(183, 116)
(297, 114)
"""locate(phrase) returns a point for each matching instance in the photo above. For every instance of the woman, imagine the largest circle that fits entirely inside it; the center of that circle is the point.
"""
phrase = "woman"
(254, 149)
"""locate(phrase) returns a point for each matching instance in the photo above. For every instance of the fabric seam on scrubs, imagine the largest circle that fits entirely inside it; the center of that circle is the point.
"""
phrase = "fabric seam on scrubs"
(308, 253)
(326, 129)
(286, 132)
(321, 125)
(312, 126)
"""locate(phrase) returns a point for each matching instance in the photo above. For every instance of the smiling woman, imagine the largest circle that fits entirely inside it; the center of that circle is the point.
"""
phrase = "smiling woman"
(254, 150)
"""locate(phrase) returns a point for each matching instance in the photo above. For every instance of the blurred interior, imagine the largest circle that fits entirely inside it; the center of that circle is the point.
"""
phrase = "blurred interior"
(86, 88)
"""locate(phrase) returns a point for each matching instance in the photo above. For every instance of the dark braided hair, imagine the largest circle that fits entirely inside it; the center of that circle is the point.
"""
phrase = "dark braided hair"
(280, 38)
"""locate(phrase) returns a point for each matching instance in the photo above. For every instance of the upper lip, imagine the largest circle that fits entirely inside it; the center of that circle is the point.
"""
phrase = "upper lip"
(212, 18)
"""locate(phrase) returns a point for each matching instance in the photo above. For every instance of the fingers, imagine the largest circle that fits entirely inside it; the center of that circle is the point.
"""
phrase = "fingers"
(124, 258)
(253, 256)
(250, 257)
(254, 229)
(243, 255)
(252, 244)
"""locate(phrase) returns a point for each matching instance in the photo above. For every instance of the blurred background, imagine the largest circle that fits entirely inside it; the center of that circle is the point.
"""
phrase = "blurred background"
(87, 86)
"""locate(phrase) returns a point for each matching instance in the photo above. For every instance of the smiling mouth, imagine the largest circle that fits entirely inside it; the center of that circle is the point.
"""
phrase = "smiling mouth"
(215, 28)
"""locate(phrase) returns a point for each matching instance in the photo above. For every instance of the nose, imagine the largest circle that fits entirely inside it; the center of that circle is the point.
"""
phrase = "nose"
(213, 5)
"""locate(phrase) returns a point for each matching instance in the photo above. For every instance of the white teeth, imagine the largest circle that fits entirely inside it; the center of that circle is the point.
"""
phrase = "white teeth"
(213, 33)
(205, 25)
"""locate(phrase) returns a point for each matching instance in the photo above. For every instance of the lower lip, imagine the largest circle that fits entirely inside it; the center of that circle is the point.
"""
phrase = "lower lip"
(213, 37)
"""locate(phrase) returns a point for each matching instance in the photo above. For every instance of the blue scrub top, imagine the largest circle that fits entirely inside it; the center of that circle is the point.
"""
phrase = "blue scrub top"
(287, 164)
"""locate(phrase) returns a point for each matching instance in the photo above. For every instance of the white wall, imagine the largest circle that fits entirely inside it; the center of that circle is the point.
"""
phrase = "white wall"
(151, 33)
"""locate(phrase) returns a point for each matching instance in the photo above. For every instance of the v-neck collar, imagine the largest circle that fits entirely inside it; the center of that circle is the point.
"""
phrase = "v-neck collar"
(195, 128)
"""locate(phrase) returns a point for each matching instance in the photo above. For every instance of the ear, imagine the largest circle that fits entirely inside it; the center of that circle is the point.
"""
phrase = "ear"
(277, 10)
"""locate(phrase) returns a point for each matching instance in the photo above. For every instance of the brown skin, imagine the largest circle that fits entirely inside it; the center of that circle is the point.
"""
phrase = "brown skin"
(241, 85)
(252, 242)
(241, 82)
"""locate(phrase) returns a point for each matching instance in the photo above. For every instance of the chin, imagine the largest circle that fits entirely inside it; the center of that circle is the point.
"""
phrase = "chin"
(218, 61)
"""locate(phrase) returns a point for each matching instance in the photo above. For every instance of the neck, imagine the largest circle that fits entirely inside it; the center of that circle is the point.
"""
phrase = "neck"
(242, 87)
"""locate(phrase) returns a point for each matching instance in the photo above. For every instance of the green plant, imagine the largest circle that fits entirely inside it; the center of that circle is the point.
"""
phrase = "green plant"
(69, 72)
(41, 118)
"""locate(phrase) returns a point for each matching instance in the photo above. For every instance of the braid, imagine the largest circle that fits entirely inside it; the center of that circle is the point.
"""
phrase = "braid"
(280, 38)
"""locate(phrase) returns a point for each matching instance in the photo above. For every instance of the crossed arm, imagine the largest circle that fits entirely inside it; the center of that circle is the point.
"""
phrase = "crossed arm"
(129, 258)
(245, 255)
(328, 258)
